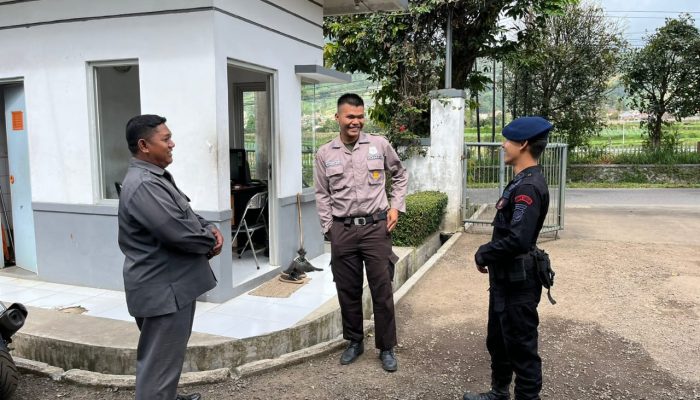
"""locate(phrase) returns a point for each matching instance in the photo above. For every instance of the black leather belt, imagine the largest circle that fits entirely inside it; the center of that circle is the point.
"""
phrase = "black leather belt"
(362, 221)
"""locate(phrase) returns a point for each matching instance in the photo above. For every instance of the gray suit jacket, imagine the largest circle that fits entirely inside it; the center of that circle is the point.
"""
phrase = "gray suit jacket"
(164, 243)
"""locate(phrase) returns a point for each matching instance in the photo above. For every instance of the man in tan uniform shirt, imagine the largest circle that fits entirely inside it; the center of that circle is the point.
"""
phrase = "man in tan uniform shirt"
(355, 215)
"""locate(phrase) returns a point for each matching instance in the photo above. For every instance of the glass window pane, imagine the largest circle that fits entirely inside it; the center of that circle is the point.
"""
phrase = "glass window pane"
(118, 100)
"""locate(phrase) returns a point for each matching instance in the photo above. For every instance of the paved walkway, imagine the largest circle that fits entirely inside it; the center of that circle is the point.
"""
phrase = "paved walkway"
(633, 197)
(239, 318)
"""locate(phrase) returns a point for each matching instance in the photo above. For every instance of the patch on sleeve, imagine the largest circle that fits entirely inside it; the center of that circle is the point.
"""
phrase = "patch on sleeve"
(523, 198)
(519, 212)
(332, 163)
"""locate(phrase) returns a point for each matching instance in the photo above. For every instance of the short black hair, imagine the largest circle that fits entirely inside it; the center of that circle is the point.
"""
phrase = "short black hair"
(352, 99)
(141, 127)
(537, 145)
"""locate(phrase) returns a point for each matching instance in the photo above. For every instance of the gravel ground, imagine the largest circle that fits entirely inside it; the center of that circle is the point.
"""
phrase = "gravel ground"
(626, 325)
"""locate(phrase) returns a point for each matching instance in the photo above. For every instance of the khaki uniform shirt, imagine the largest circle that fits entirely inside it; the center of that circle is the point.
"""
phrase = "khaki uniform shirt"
(352, 184)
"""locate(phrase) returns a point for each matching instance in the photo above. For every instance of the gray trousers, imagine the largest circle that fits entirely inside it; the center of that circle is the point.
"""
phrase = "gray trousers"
(161, 353)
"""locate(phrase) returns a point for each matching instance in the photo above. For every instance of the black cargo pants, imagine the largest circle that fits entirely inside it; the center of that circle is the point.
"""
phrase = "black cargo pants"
(512, 335)
(353, 246)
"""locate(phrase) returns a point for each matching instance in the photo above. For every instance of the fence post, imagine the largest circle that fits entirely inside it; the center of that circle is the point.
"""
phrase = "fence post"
(562, 184)
(501, 170)
(440, 168)
(464, 201)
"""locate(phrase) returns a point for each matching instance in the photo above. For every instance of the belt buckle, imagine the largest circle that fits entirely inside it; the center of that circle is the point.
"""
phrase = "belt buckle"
(362, 221)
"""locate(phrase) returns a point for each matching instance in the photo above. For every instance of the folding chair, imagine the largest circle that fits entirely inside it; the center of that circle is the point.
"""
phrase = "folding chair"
(257, 202)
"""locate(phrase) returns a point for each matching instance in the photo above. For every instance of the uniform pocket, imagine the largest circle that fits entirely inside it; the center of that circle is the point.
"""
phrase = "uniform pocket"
(376, 171)
(182, 203)
(335, 177)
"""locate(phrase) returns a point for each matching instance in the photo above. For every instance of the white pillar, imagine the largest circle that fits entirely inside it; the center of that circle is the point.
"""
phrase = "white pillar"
(441, 168)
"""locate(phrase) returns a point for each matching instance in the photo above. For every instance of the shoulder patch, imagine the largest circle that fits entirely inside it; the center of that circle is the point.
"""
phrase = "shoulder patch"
(332, 163)
(519, 212)
(523, 198)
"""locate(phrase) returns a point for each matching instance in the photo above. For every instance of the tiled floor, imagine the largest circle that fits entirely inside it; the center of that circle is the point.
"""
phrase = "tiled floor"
(240, 317)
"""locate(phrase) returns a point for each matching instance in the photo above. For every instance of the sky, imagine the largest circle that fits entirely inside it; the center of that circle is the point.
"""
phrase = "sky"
(642, 17)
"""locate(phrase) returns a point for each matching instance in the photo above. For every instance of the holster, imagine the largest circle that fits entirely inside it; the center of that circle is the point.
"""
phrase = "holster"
(545, 273)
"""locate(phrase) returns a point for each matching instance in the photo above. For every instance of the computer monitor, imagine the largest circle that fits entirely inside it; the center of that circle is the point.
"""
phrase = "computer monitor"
(240, 170)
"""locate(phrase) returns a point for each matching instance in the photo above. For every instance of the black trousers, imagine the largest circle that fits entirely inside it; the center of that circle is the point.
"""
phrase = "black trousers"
(512, 336)
(351, 247)
(161, 353)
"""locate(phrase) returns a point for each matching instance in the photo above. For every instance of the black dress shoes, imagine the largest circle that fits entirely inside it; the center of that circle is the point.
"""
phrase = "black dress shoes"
(193, 396)
(491, 395)
(352, 352)
(389, 362)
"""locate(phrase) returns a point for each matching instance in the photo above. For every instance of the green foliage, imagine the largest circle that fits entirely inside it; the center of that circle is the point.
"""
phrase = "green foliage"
(404, 52)
(562, 72)
(424, 212)
(250, 124)
(664, 76)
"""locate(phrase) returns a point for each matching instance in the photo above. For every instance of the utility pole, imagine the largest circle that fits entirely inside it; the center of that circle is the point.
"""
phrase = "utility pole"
(493, 102)
(448, 50)
(503, 95)
(478, 109)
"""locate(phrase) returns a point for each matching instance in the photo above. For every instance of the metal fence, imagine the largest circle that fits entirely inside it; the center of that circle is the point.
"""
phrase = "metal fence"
(485, 176)
(583, 154)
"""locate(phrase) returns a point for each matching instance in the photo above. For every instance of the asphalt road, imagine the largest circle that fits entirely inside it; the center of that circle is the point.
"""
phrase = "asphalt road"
(633, 197)
(610, 197)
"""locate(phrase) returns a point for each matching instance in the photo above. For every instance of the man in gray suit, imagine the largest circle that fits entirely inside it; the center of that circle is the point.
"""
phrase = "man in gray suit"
(166, 248)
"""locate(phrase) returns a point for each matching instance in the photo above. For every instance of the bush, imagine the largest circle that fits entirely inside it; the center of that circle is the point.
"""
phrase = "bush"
(424, 212)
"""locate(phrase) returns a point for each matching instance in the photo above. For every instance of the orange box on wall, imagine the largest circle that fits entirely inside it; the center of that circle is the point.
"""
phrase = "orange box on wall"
(17, 121)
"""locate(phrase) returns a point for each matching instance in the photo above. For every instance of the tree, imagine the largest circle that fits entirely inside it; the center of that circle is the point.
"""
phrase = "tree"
(562, 72)
(664, 76)
(405, 53)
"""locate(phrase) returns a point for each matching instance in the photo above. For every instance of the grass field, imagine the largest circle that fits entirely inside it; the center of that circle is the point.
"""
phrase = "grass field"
(615, 134)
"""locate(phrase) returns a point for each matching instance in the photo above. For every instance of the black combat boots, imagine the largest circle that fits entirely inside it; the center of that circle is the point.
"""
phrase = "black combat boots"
(354, 350)
(496, 393)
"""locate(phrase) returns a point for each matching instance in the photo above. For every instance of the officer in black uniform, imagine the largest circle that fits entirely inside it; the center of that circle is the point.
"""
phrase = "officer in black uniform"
(515, 288)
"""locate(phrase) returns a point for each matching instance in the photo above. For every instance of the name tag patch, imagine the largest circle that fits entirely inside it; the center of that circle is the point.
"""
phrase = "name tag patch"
(375, 157)
(332, 163)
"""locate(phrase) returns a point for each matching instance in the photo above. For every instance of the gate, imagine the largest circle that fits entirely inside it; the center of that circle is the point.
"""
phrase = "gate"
(485, 175)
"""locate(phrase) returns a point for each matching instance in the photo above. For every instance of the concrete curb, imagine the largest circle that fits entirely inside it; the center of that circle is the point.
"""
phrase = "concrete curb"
(258, 367)
(90, 378)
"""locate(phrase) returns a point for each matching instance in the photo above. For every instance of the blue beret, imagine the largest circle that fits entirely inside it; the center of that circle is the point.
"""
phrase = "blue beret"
(525, 128)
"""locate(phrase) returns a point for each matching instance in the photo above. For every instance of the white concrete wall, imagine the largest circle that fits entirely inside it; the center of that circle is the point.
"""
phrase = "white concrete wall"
(272, 52)
(441, 168)
(181, 77)
(175, 55)
(183, 59)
